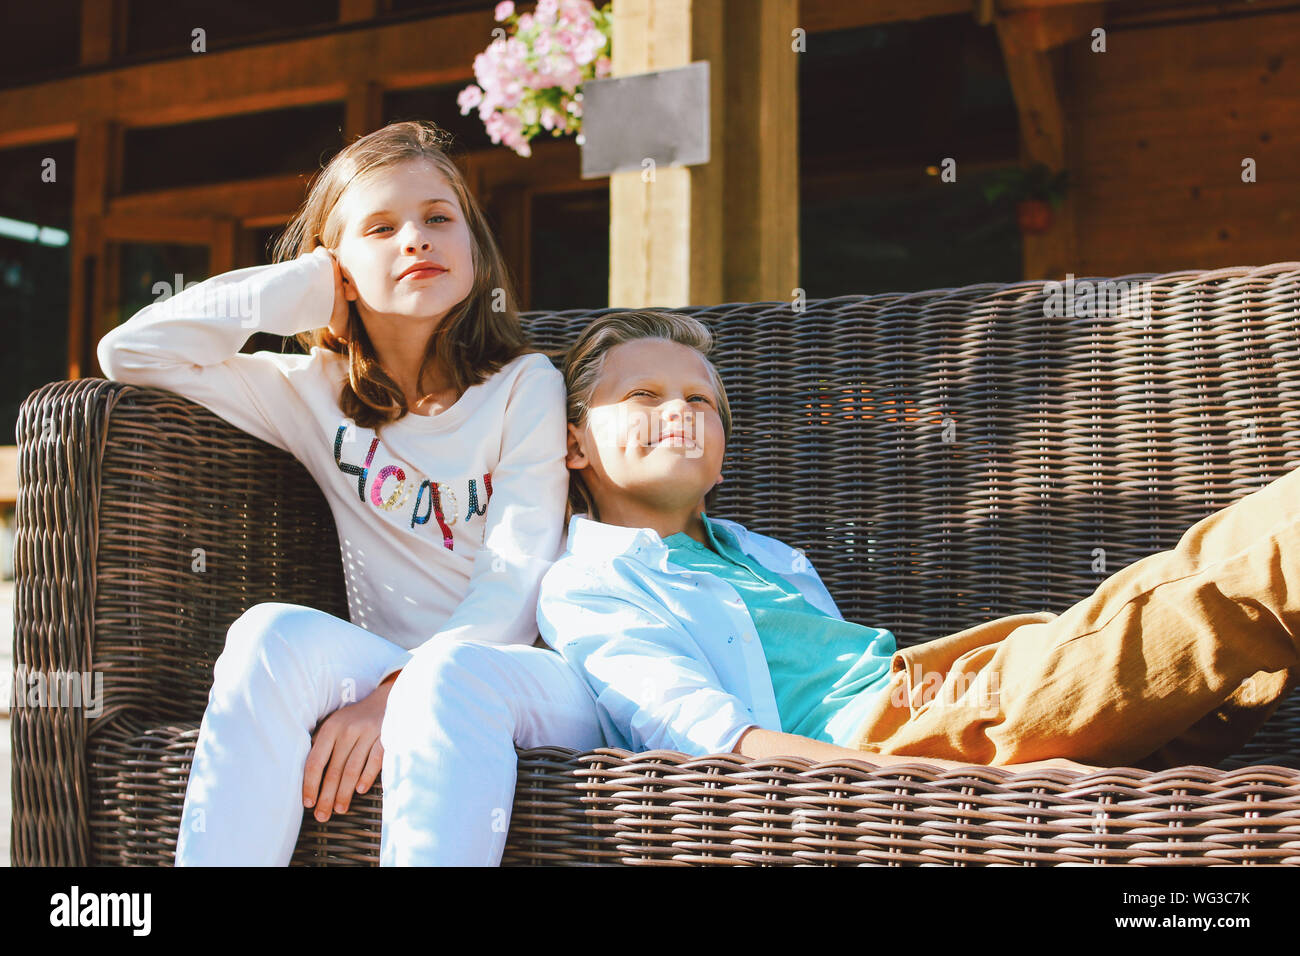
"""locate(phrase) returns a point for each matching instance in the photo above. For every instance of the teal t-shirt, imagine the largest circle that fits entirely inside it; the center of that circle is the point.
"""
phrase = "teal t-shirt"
(824, 670)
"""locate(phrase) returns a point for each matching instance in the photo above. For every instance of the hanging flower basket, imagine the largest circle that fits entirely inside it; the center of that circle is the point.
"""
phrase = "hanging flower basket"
(529, 76)
(1033, 216)
(1036, 191)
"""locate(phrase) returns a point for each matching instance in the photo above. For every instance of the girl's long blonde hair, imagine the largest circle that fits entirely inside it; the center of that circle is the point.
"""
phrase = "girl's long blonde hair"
(478, 336)
(585, 360)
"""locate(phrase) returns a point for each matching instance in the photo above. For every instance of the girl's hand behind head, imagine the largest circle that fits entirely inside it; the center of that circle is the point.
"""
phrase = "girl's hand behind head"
(338, 324)
(339, 315)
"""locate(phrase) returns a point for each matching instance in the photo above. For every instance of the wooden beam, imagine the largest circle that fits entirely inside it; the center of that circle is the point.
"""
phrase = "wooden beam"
(271, 200)
(650, 212)
(1032, 76)
(354, 11)
(363, 110)
(94, 160)
(44, 133)
(706, 265)
(224, 246)
(186, 230)
(1033, 82)
(1045, 29)
(319, 69)
(101, 30)
(108, 298)
(245, 200)
(760, 226)
(725, 230)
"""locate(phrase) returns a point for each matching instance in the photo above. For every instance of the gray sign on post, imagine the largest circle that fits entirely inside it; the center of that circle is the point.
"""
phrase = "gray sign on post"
(662, 116)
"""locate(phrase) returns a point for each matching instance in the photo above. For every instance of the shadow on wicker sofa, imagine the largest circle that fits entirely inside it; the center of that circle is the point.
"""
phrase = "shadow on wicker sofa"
(943, 457)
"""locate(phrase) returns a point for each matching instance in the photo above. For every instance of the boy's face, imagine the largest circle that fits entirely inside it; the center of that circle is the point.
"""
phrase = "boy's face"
(653, 436)
(389, 224)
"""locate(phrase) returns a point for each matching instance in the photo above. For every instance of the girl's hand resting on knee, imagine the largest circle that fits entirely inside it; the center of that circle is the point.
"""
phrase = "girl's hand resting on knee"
(346, 749)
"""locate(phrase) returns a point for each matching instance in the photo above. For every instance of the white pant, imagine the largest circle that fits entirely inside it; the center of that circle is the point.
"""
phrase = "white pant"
(454, 716)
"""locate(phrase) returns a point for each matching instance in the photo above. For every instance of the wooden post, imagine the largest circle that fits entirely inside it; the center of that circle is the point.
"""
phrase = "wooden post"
(102, 27)
(1028, 38)
(726, 230)
(364, 110)
(354, 11)
(761, 134)
(224, 248)
(97, 159)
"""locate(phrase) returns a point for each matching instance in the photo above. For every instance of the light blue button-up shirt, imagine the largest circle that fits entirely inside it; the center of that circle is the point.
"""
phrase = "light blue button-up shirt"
(671, 654)
(824, 671)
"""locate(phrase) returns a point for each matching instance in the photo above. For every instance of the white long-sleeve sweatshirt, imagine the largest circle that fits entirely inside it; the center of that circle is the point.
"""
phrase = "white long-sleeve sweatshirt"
(446, 522)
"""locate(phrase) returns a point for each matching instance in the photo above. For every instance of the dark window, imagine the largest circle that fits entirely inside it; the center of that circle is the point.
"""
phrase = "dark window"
(438, 104)
(261, 241)
(231, 148)
(872, 219)
(570, 250)
(150, 272)
(35, 273)
(164, 27)
(39, 40)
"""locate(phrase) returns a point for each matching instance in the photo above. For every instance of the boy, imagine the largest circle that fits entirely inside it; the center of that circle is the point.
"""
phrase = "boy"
(698, 635)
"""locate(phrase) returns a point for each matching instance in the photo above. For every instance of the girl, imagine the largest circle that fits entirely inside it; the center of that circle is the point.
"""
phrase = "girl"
(437, 437)
(699, 635)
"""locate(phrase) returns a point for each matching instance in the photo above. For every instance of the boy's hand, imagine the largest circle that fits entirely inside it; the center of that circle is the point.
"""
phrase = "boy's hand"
(347, 750)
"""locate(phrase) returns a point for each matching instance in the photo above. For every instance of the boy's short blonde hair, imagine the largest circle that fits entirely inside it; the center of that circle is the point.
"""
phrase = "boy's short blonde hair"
(585, 361)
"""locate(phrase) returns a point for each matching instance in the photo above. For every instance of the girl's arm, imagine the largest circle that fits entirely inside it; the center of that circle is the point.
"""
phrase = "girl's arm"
(189, 344)
(525, 515)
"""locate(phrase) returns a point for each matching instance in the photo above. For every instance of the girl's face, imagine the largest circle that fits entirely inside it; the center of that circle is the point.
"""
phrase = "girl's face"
(405, 214)
(653, 434)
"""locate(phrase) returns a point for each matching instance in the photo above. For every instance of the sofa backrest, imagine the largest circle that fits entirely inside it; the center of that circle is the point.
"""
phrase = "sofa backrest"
(950, 456)
(943, 458)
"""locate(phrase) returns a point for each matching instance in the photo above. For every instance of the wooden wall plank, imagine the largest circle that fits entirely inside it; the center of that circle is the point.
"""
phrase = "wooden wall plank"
(313, 70)
(1161, 122)
(273, 195)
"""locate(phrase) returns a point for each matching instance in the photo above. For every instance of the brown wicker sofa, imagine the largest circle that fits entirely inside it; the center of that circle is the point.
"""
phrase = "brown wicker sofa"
(944, 457)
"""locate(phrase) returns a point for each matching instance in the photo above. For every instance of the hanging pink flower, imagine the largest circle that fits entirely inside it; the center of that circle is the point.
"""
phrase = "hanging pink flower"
(470, 97)
(529, 81)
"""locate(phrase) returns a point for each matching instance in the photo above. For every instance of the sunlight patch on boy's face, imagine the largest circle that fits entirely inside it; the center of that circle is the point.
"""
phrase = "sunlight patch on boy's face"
(618, 427)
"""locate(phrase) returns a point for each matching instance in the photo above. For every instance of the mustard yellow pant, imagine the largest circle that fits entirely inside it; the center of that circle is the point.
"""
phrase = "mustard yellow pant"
(1176, 659)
